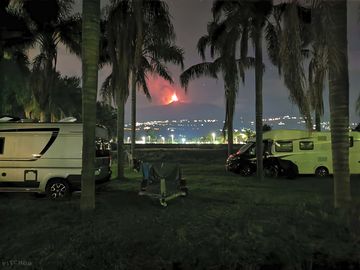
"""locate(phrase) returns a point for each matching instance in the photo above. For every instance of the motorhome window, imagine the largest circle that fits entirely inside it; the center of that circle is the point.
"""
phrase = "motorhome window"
(306, 145)
(351, 141)
(2, 142)
(283, 146)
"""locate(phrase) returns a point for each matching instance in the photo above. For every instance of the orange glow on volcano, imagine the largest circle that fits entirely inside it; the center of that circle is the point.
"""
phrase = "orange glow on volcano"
(174, 98)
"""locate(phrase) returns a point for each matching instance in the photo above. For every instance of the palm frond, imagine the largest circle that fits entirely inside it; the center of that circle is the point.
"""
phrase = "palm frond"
(203, 42)
(273, 44)
(166, 52)
(196, 71)
(39, 62)
(107, 90)
(162, 71)
(244, 41)
(143, 82)
(244, 64)
(292, 59)
(69, 32)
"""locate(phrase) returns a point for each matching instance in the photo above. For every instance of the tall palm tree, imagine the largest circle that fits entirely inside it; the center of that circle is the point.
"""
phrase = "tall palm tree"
(293, 40)
(15, 76)
(329, 44)
(155, 47)
(252, 17)
(49, 29)
(118, 33)
(14, 34)
(90, 58)
(224, 46)
(139, 39)
(154, 38)
(339, 98)
(318, 64)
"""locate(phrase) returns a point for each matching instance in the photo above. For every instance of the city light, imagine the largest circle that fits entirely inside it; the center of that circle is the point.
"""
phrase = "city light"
(213, 136)
(172, 138)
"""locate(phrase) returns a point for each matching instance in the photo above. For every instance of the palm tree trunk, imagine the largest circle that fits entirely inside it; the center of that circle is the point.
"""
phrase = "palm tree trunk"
(230, 120)
(120, 135)
(90, 57)
(259, 101)
(317, 120)
(137, 60)
(133, 114)
(230, 137)
(339, 102)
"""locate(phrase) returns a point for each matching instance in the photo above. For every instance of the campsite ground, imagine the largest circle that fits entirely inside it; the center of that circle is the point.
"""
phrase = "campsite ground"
(226, 222)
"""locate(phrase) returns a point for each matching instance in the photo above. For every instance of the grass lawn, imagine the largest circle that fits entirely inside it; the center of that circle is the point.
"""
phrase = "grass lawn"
(226, 222)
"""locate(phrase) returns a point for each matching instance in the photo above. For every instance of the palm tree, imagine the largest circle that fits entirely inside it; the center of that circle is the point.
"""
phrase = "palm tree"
(251, 16)
(329, 49)
(118, 41)
(156, 49)
(62, 106)
(336, 23)
(15, 76)
(223, 44)
(139, 39)
(90, 58)
(154, 37)
(49, 29)
(14, 34)
(293, 40)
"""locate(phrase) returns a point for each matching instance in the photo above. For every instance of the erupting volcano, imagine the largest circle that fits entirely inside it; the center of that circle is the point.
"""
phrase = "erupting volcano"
(173, 98)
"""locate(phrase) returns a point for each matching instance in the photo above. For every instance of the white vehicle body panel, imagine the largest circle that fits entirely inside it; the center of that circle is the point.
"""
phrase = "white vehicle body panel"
(318, 155)
(33, 153)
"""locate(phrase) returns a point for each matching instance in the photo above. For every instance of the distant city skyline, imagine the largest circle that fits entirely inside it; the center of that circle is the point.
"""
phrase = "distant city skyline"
(178, 129)
(190, 18)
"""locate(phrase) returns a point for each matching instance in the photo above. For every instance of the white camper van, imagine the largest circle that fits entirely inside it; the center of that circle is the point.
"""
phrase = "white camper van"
(47, 157)
(295, 152)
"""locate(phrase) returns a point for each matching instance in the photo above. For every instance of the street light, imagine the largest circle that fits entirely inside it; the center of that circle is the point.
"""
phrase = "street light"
(143, 139)
(172, 138)
(183, 140)
(163, 139)
(213, 136)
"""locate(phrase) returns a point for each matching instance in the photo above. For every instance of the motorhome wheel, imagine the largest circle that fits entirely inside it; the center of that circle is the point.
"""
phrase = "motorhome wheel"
(57, 189)
(271, 171)
(321, 172)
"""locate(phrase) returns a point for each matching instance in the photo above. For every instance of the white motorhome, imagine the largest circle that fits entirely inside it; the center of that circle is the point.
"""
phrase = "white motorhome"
(303, 152)
(47, 157)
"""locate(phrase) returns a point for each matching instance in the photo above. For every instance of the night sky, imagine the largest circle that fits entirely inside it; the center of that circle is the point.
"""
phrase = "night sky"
(190, 18)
